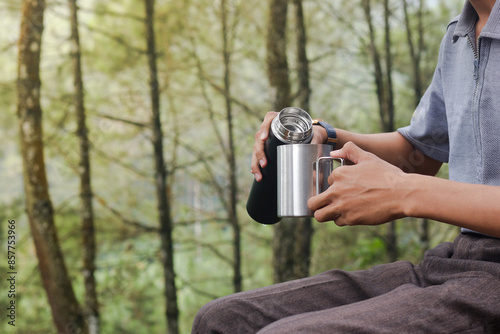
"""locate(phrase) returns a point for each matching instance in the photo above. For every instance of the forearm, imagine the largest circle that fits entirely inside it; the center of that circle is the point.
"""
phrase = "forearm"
(466, 205)
(387, 146)
(393, 148)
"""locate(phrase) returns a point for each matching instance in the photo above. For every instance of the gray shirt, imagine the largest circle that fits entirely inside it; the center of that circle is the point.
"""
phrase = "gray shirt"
(458, 118)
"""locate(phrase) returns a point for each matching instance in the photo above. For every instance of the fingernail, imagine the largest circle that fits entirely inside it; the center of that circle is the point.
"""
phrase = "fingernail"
(258, 177)
(261, 163)
(263, 136)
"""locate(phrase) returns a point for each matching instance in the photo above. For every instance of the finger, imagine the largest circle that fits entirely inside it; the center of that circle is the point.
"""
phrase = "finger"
(255, 167)
(319, 201)
(336, 174)
(270, 115)
(352, 152)
(263, 132)
(340, 221)
(256, 174)
(327, 213)
(330, 178)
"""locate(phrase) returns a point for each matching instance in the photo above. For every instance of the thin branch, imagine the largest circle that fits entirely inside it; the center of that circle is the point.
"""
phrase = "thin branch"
(120, 163)
(196, 290)
(119, 119)
(59, 125)
(118, 39)
(255, 236)
(210, 247)
(125, 220)
(102, 12)
(201, 221)
(199, 159)
(239, 103)
(218, 187)
(201, 76)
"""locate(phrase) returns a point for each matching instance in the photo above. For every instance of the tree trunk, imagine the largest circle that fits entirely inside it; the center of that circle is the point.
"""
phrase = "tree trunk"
(304, 229)
(66, 311)
(389, 97)
(416, 47)
(233, 185)
(416, 50)
(385, 97)
(377, 64)
(392, 236)
(292, 237)
(163, 202)
(91, 311)
(425, 241)
(276, 54)
(284, 232)
(284, 250)
(304, 93)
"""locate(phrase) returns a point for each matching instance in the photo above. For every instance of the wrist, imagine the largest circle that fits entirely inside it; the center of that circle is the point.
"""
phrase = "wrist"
(416, 192)
(329, 135)
(320, 135)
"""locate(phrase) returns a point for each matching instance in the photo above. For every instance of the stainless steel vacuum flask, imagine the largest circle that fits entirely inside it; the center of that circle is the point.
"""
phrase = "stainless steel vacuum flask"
(291, 126)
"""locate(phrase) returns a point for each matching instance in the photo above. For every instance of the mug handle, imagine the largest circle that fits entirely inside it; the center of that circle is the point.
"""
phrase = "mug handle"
(318, 163)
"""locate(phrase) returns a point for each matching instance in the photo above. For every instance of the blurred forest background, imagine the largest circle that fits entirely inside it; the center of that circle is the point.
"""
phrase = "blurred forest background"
(133, 214)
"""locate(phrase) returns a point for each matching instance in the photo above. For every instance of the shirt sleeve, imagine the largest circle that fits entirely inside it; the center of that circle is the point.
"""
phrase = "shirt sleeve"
(428, 129)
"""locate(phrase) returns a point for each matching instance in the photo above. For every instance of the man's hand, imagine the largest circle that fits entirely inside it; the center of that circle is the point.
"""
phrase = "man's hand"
(370, 192)
(259, 159)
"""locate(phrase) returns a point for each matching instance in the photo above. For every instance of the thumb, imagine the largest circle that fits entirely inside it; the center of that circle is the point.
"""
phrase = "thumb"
(351, 152)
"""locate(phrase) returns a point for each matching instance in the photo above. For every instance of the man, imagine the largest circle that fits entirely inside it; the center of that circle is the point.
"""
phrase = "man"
(456, 288)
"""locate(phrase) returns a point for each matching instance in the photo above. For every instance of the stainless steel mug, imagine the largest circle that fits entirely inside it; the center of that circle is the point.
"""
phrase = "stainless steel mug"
(303, 171)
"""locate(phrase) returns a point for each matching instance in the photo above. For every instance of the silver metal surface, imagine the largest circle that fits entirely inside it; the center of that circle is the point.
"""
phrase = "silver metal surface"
(322, 181)
(298, 179)
(293, 125)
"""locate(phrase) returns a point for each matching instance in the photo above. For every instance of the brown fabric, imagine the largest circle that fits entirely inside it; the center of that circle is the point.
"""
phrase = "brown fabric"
(456, 289)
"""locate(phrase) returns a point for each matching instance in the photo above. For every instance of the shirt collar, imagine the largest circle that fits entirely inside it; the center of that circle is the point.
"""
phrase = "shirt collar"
(467, 20)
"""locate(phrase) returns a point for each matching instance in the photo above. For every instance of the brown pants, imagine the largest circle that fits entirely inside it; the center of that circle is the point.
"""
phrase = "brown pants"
(456, 289)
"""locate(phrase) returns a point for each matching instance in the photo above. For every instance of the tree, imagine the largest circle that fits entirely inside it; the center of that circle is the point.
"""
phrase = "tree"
(86, 207)
(66, 311)
(416, 48)
(163, 202)
(231, 155)
(286, 261)
(292, 237)
(277, 65)
(227, 190)
(304, 229)
(382, 76)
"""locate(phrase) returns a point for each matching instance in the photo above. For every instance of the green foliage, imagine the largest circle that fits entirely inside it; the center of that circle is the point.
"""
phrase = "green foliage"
(367, 252)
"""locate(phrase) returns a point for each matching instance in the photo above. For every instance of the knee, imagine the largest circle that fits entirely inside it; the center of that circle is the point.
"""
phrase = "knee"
(204, 319)
(214, 317)
(230, 314)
